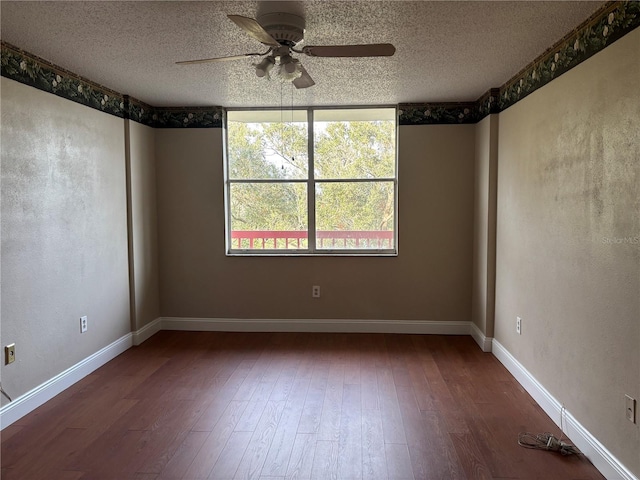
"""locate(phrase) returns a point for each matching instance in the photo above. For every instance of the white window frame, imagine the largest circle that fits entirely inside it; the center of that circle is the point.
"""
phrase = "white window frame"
(310, 182)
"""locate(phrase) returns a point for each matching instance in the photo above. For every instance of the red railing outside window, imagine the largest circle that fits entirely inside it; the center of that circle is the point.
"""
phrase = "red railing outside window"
(294, 239)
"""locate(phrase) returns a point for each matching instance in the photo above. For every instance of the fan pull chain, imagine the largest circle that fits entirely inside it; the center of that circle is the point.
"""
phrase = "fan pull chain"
(293, 159)
(281, 122)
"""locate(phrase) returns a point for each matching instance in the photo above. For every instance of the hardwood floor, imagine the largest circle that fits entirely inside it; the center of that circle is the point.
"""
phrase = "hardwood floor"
(267, 406)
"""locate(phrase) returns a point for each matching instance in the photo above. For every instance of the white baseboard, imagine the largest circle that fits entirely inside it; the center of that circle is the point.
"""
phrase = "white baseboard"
(31, 400)
(315, 325)
(483, 341)
(146, 332)
(601, 458)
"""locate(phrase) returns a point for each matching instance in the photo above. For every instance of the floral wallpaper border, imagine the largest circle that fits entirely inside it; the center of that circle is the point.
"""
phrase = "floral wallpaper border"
(197, 117)
(437, 113)
(34, 71)
(174, 117)
(605, 26)
(29, 69)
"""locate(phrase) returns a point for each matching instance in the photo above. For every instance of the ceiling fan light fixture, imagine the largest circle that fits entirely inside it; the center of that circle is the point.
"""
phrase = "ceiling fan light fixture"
(289, 71)
(281, 32)
(289, 68)
(288, 63)
(264, 67)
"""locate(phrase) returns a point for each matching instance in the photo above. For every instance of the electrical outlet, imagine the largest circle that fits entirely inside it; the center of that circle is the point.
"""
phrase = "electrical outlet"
(10, 354)
(83, 324)
(519, 325)
(630, 408)
(315, 291)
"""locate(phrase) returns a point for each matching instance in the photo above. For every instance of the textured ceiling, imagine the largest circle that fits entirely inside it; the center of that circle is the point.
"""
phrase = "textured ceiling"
(446, 51)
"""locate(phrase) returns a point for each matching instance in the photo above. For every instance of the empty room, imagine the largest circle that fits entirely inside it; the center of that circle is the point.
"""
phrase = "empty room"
(350, 240)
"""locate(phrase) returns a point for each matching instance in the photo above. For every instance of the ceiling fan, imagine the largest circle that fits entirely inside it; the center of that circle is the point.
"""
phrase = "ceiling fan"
(281, 32)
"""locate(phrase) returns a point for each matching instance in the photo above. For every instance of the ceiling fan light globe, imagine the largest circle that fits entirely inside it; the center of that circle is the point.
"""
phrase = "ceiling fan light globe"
(264, 67)
(262, 71)
(288, 76)
(290, 67)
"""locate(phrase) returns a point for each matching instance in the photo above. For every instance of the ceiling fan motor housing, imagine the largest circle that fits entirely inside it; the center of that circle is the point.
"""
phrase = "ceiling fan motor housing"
(286, 28)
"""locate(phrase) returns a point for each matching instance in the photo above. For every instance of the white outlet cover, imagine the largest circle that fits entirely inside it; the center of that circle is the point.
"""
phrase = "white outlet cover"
(83, 324)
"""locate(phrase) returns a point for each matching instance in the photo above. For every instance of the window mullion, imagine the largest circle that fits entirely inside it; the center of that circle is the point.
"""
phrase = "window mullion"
(311, 185)
(267, 180)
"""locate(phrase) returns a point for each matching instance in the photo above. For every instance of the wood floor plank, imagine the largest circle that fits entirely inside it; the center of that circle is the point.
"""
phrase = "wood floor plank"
(441, 398)
(369, 387)
(283, 441)
(255, 407)
(420, 439)
(239, 374)
(212, 413)
(52, 454)
(302, 456)
(254, 376)
(419, 382)
(44, 413)
(329, 428)
(215, 443)
(492, 442)
(312, 410)
(399, 462)
(374, 461)
(390, 408)
(225, 405)
(472, 460)
(352, 361)
(435, 457)
(83, 438)
(156, 448)
(350, 443)
(411, 415)
(38, 432)
(284, 382)
(116, 458)
(250, 467)
(184, 456)
(10, 431)
(397, 345)
(109, 407)
(135, 362)
(13, 474)
(325, 461)
(230, 457)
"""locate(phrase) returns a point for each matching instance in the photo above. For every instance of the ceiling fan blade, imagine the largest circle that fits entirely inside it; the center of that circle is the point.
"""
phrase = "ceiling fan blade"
(254, 29)
(303, 81)
(219, 59)
(369, 50)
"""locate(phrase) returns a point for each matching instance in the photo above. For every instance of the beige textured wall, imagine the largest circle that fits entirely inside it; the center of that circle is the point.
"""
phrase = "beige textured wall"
(568, 241)
(429, 280)
(144, 224)
(484, 224)
(64, 237)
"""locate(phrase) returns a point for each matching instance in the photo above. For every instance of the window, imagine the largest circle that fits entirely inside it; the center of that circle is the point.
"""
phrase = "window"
(312, 181)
